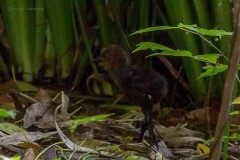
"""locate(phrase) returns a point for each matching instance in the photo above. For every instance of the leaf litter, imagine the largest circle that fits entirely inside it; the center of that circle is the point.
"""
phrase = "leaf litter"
(44, 131)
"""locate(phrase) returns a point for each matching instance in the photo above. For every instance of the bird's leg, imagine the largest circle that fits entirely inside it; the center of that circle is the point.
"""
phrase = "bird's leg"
(144, 126)
(153, 140)
(147, 123)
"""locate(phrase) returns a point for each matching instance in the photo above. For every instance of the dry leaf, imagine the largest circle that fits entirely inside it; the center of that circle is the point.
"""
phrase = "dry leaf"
(18, 85)
(27, 137)
(201, 116)
(41, 114)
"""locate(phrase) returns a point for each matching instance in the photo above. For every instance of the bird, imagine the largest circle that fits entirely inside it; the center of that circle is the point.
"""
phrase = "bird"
(140, 85)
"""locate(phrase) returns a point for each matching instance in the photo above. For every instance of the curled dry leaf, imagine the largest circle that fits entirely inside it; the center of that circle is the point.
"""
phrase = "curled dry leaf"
(41, 114)
(180, 136)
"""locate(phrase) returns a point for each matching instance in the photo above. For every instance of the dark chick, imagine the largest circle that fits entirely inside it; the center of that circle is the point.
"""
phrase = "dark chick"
(141, 86)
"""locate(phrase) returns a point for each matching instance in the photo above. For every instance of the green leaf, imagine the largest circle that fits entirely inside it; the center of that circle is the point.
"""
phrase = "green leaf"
(212, 70)
(151, 29)
(136, 158)
(209, 32)
(235, 113)
(236, 100)
(213, 32)
(77, 122)
(209, 58)
(15, 158)
(180, 53)
(192, 27)
(152, 46)
(10, 128)
(5, 114)
(236, 136)
(121, 107)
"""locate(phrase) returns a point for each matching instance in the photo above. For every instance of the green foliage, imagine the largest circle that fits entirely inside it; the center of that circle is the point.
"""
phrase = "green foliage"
(15, 158)
(229, 135)
(7, 114)
(208, 58)
(180, 53)
(213, 70)
(193, 28)
(210, 70)
(135, 158)
(77, 122)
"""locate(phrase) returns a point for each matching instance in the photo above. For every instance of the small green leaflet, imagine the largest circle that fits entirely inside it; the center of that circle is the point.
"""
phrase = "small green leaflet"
(209, 58)
(5, 113)
(15, 158)
(180, 53)
(213, 32)
(10, 128)
(236, 136)
(192, 27)
(136, 158)
(152, 46)
(212, 70)
(235, 113)
(236, 101)
(77, 122)
(202, 31)
(151, 29)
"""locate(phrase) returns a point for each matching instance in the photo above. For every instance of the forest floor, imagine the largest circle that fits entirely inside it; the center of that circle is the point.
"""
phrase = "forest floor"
(68, 125)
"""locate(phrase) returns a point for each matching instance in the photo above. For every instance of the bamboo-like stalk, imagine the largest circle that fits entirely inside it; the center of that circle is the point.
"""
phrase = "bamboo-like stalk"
(179, 11)
(40, 37)
(116, 16)
(203, 19)
(49, 56)
(144, 13)
(20, 37)
(103, 23)
(223, 17)
(60, 20)
(3, 69)
(222, 10)
(85, 38)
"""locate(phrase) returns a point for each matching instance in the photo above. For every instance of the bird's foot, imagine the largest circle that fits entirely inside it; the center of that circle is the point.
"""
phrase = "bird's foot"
(152, 137)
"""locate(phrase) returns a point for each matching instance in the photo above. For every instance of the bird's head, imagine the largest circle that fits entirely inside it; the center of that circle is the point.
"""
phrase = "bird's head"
(112, 56)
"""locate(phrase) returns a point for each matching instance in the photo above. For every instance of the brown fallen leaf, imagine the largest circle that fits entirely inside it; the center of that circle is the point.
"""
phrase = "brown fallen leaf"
(17, 138)
(178, 142)
(201, 116)
(41, 113)
(18, 85)
(29, 154)
(180, 136)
